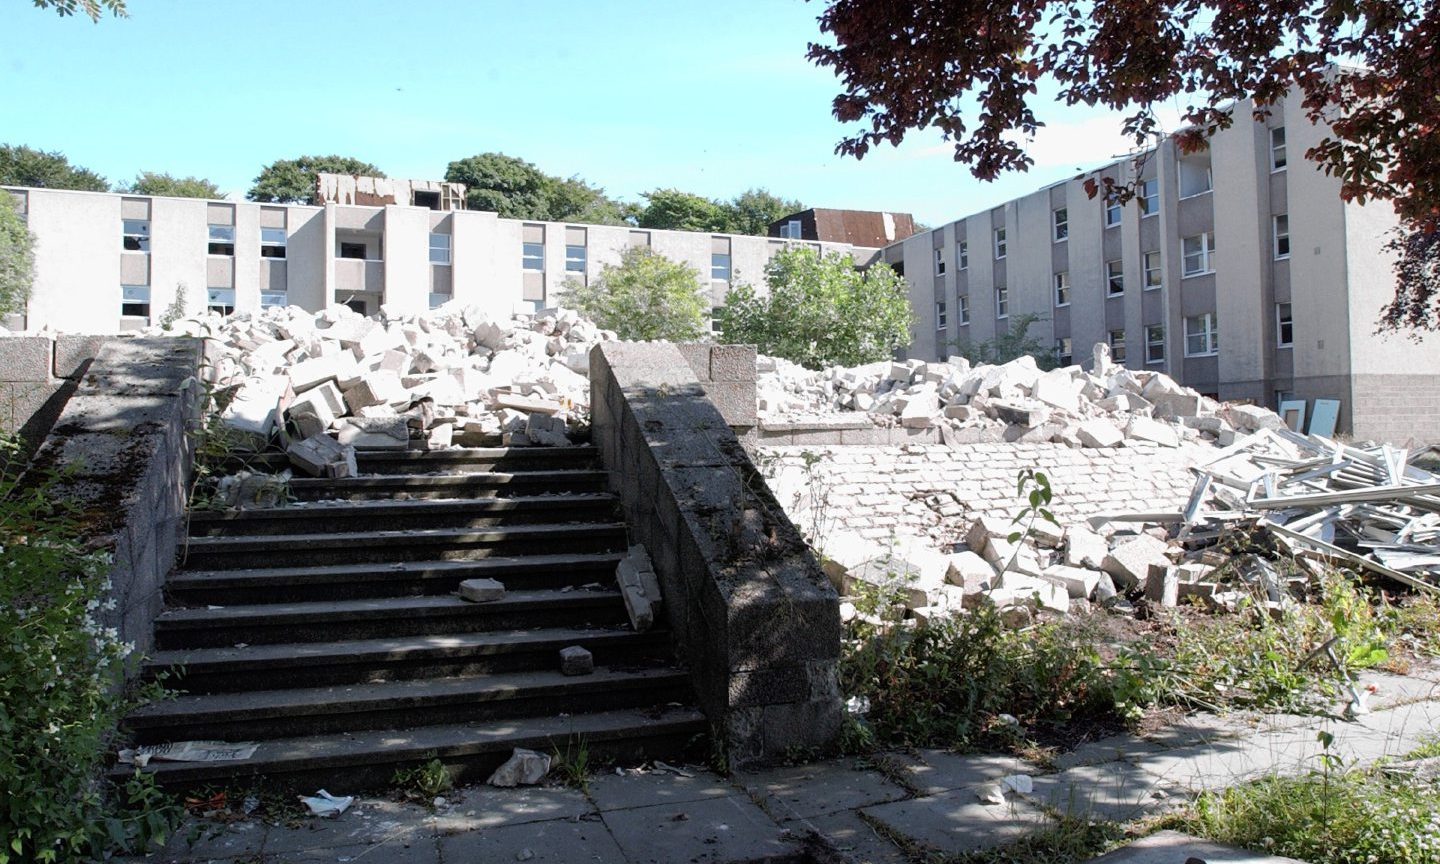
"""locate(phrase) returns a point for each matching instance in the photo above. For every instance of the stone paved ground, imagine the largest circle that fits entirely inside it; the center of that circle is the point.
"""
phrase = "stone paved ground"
(926, 799)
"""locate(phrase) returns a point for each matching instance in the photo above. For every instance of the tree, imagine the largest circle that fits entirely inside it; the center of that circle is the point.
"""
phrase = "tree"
(645, 296)
(17, 257)
(516, 189)
(92, 8)
(26, 166)
(150, 183)
(752, 211)
(821, 311)
(292, 181)
(671, 209)
(1013, 343)
(970, 70)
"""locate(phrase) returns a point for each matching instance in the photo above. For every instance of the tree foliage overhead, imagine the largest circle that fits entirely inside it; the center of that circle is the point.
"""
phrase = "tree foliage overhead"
(516, 189)
(92, 9)
(973, 70)
(821, 311)
(152, 183)
(673, 210)
(752, 211)
(17, 258)
(26, 166)
(645, 296)
(292, 181)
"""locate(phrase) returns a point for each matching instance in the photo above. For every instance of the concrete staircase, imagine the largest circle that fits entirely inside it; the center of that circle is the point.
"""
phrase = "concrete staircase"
(328, 633)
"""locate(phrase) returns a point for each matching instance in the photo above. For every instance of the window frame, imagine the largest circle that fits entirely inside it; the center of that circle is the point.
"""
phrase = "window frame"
(225, 239)
(1064, 351)
(962, 254)
(1284, 157)
(1001, 243)
(1153, 186)
(793, 229)
(1060, 288)
(283, 245)
(1180, 181)
(1283, 323)
(1207, 255)
(1152, 343)
(1115, 277)
(583, 259)
(446, 248)
(941, 318)
(1116, 340)
(1158, 270)
(1114, 214)
(962, 303)
(1060, 224)
(1002, 301)
(1210, 334)
(726, 268)
(1277, 238)
(939, 262)
(141, 236)
(528, 256)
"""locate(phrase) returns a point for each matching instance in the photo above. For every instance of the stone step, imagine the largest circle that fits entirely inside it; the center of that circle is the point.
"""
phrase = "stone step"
(339, 620)
(449, 461)
(403, 658)
(352, 547)
(399, 579)
(260, 715)
(480, 485)
(348, 763)
(353, 516)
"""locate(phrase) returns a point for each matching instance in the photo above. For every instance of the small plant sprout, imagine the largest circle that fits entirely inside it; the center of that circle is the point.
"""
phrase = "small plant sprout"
(1034, 488)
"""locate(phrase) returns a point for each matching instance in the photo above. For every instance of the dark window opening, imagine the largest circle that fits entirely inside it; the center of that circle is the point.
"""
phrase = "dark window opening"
(222, 248)
(136, 310)
(426, 199)
(272, 251)
(358, 306)
(353, 250)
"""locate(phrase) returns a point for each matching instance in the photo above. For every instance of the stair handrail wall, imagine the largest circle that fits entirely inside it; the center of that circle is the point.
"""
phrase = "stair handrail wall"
(750, 611)
(123, 447)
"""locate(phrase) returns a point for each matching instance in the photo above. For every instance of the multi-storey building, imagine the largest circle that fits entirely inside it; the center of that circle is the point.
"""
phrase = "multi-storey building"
(1238, 270)
(108, 262)
(865, 228)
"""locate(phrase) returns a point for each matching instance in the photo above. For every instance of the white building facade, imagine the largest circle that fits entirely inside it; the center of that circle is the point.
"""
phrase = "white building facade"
(1238, 270)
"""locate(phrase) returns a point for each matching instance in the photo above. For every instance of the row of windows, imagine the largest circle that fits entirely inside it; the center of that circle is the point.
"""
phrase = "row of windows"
(135, 237)
(135, 300)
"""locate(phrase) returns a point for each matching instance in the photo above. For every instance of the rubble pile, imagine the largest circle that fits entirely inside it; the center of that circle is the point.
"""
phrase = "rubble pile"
(331, 382)
(1014, 401)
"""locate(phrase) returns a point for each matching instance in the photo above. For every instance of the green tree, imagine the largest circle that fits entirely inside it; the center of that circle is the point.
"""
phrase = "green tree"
(645, 296)
(151, 183)
(292, 181)
(752, 211)
(17, 257)
(516, 189)
(1013, 343)
(821, 311)
(671, 209)
(26, 166)
(93, 9)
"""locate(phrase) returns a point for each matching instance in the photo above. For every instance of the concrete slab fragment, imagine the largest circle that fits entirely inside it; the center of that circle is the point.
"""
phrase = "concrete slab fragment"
(956, 821)
(940, 771)
(627, 791)
(1115, 791)
(715, 829)
(553, 841)
(1170, 847)
(818, 789)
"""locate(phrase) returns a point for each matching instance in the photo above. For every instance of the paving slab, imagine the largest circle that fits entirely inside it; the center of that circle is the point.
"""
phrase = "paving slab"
(1108, 749)
(938, 771)
(623, 791)
(957, 821)
(710, 830)
(856, 840)
(556, 840)
(818, 788)
(1113, 791)
(1202, 729)
(365, 823)
(478, 807)
(1391, 690)
(1171, 847)
(205, 839)
(423, 850)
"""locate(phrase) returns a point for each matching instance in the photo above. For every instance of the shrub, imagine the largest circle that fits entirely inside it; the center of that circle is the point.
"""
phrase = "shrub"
(645, 296)
(60, 678)
(17, 257)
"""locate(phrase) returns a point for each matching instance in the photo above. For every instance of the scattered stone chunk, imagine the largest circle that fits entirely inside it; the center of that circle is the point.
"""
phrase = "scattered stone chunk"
(481, 590)
(575, 660)
(1099, 433)
(523, 768)
(1129, 563)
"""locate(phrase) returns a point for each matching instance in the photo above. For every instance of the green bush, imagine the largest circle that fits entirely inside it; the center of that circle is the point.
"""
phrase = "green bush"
(60, 688)
(645, 296)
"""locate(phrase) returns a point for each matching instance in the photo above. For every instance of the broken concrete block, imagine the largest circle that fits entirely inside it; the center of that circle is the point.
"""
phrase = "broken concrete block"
(1041, 592)
(1046, 534)
(575, 660)
(376, 388)
(1099, 433)
(311, 414)
(481, 590)
(1145, 429)
(639, 588)
(985, 527)
(336, 367)
(527, 404)
(1252, 418)
(440, 437)
(315, 454)
(1129, 563)
(1085, 548)
(1020, 414)
(1057, 389)
(523, 768)
(968, 570)
(1078, 582)
(375, 433)
(253, 408)
(1163, 586)
(546, 430)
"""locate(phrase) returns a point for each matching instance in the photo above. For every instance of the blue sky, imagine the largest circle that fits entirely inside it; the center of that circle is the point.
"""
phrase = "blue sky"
(708, 98)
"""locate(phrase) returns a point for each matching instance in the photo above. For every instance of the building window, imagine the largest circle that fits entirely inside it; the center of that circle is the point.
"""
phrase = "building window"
(352, 250)
(999, 242)
(1152, 270)
(1155, 344)
(1002, 302)
(1062, 288)
(1112, 214)
(269, 299)
(720, 266)
(1199, 252)
(941, 321)
(136, 235)
(1195, 178)
(1202, 339)
(791, 230)
(1117, 345)
(1282, 235)
(222, 240)
(1149, 198)
(135, 301)
(715, 319)
(1062, 224)
(532, 256)
(1284, 326)
(439, 248)
(939, 263)
(221, 300)
(1115, 277)
(1064, 355)
(962, 255)
(272, 243)
(1277, 148)
(963, 304)
(574, 259)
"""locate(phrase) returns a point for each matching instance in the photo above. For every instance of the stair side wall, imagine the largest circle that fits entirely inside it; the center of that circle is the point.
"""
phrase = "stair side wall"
(123, 442)
(753, 616)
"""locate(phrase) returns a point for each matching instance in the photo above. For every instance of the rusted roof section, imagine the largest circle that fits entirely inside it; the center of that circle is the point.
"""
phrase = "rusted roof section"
(868, 228)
